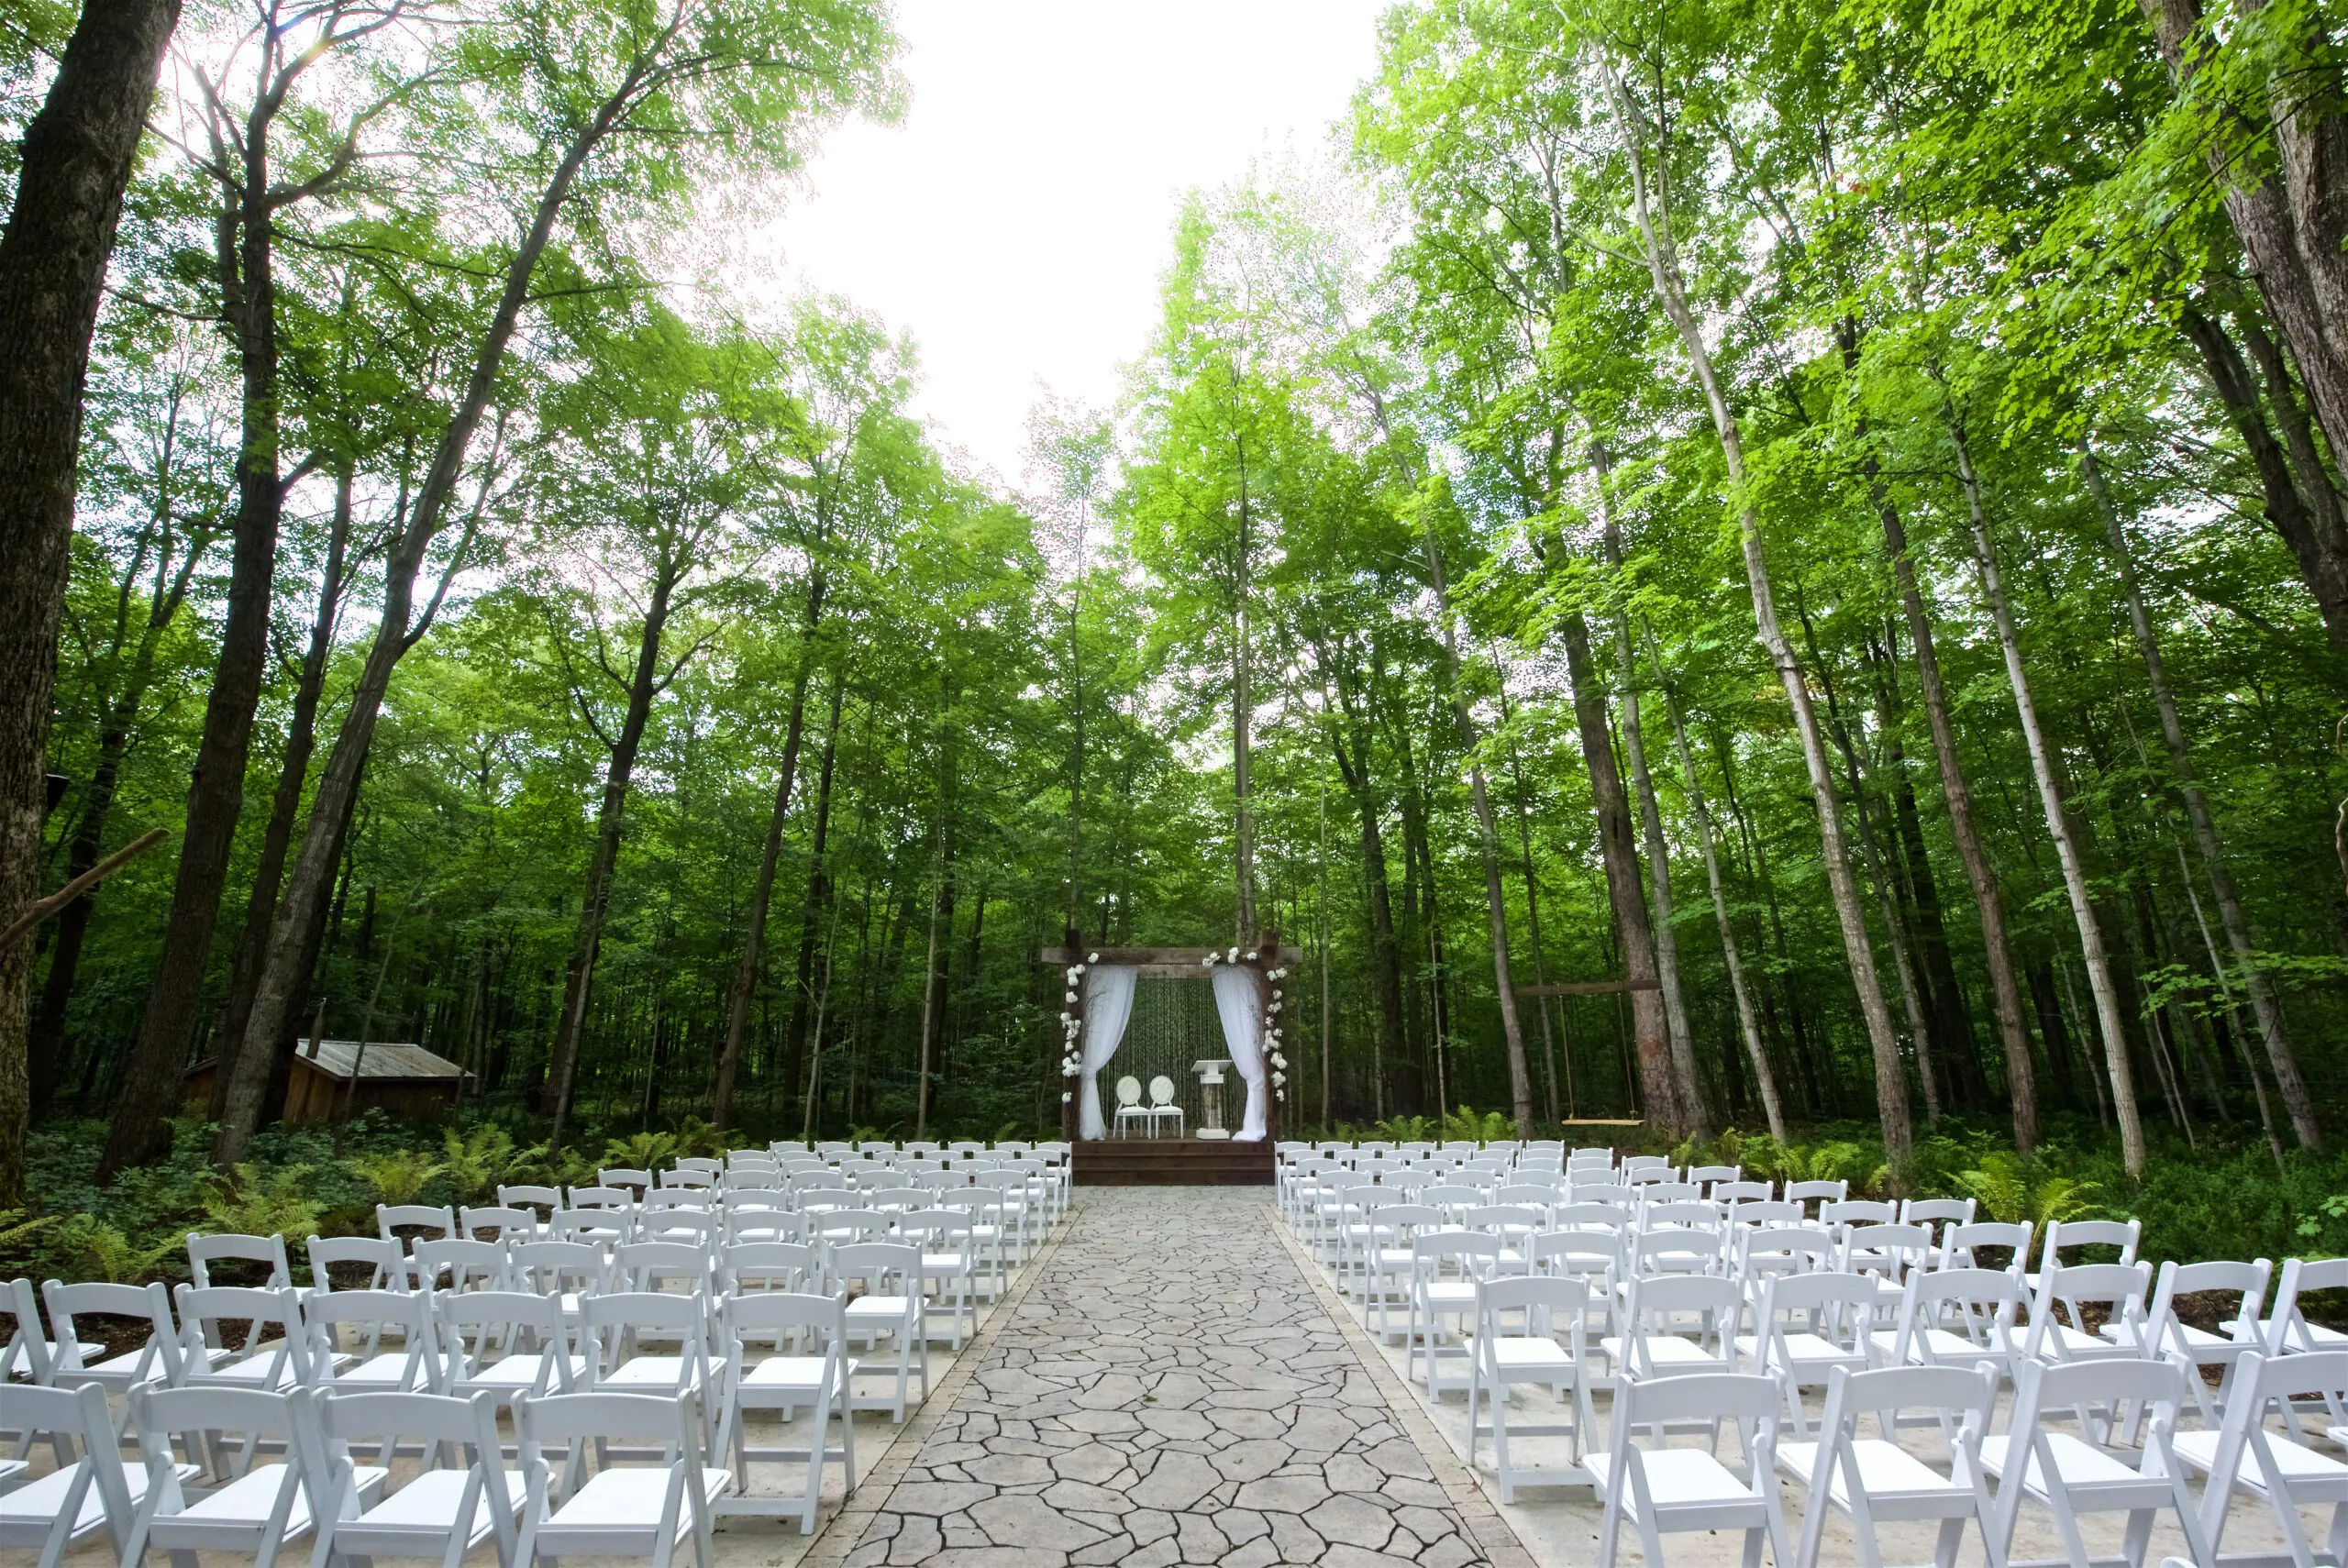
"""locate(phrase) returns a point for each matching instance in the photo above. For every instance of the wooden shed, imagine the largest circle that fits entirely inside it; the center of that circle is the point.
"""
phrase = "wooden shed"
(397, 1079)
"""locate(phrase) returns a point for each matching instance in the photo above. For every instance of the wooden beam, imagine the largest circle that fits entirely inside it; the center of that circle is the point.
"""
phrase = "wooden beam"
(1603, 1122)
(1191, 957)
(1588, 988)
(40, 910)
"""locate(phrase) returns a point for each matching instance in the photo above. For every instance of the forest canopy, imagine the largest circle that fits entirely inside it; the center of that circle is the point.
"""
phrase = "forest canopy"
(1830, 513)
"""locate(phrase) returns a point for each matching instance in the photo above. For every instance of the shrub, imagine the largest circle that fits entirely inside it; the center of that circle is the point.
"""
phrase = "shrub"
(248, 1203)
(395, 1175)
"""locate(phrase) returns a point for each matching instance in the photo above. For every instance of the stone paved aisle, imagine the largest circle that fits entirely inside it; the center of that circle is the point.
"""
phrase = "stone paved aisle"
(1170, 1391)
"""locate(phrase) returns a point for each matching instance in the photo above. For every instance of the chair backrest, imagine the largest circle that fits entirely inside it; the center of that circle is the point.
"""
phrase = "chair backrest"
(1783, 1249)
(1735, 1192)
(621, 1176)
(1655, 1192)
(788, 1319)
(1704, 1176)
(1888, 1250)
(1161, 1090)
(549, 1199)
(1849, 1211)
(610, 1328)
(1838, 1308)
(460, 1264)
(2246, 1282)
(1535, 1305)
(370, 1312)
(655, 1266)
(2287, 1329)
(1984, 1306)
(1689, 1214)
(75, 1420)
(1659, 1305)
(1959, 1243)
(1653, 1404)
(1129, 1090)
(2121, 1233)
(553, 1267)
(1963, 1396)
(1936, 1211)
(762, 1267)
(1614, 1195)
(876, 1264)
(433, 1220)
(384, 1261)
(204, 1251)
(603, 1195)
(203, 1309)
(472, 1322)
(603, 1423)
(327, 1428)
(150, 1303)
(606, 1226)
(2117, 1290)
(171, 1422)
(510, 1223)
(1676, 1251)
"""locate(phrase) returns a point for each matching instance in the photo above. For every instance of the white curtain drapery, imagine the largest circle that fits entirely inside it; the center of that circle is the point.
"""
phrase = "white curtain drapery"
(1240, 1004)
(1108, 1003)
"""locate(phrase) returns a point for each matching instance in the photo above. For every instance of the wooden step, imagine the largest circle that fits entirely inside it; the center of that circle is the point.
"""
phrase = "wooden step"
(1173, 1161)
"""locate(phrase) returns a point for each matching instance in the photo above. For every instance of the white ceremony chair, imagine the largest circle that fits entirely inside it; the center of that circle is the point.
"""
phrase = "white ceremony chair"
(891, 1307)
(597, 1227)
(2068, 1475)
(686, 1266)
(431, 1222)
(1938, 1213)
(1806, 1326)
(1517, 1320)
(2119, 1234)
(1762, 1252)
(276, 1352)
(81, 1359)
(442, 1510)
(621, 1510)
(949, 1260)
(603, 1196)
(1446, 1266)
(1656, 1342)
(1593, 1258)
(1130, 1109)
(1957, 1317)
(415, 1368)
(2287, 1329)
(1819, 1192)
(567, 1271)
(454, 1264)
(1874, 1480)
(613, 1329)
(30, 1354)
(2163, 1333)
(1162, 1109)
(809, 1367)
(204, 1251)
(386, 1263)
(637, 1182)
(525, 1195)
(1734, 1193)
(510, 1224)
(81, 1496)
(2244, 1456)
(2058, 1313)
(1959, 1244)
(1660, 1490)
(259, 1509)
(1847, 1213)
(1887, 1254)
(748, 1267)
(506, 1344)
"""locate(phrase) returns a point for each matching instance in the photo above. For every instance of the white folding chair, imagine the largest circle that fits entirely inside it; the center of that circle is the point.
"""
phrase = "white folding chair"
(891, 1308)
(89, 1490)
(2287, 1330)
(2122, 1235)
(276, 1351)
(613, 1329)
(255, 1509)
(1956, 1317)
(455, 1264)
(638, 1182)
(428, 1222)
(525, 1195)
(443, 1509)
(568, 1272)
(1805, 1326)
(506, 1344)
(505, 1222)
(1517, 1320)
(1820, 1192)
(386, 1263)
(948, 1259)
(748, 1266)
(1660, 1490)
(415, 1368)
(81, 1357)
(1162, 1109)
(2244, 1456)
(1960, 1246)
(1674, 1325)
(2068, 1475)
(269, 1252)
(1874, 1480)
(2163, 1333)
(2116, 1293)
(1445, 1268)
(809, 1367)
(621, 1510)
(1130, 1110)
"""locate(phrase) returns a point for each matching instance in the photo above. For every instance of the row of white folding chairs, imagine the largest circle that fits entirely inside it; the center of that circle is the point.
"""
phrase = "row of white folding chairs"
(2071, 1471)
(334, 1478)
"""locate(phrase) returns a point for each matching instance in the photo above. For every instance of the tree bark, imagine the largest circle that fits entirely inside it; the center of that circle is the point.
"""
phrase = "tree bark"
(1663, 264)
(818, 890)
(2005, 992)
(2058, 827)
(2288, 1078)
(74, 163)
(1651, 1035)
(746, 977)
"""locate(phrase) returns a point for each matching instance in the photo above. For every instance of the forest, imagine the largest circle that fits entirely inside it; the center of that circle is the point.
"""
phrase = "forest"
(1829, 512)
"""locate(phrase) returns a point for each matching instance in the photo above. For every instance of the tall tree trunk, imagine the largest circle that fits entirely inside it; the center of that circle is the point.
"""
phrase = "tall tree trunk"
(72, 166)
(2058, 827)
(1520, 1078)
(1663, 264)
(745, 976)
(1658, 1082)
(400, 627)
(2005, 993)
(2310, 526)
(587, 941)
(2296, 1100)
(285, 802)
(818, 890)
(1688, 1084)
(1243, 714)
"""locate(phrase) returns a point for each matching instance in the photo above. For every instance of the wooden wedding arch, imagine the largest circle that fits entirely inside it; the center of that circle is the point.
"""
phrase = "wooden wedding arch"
(1259, 958)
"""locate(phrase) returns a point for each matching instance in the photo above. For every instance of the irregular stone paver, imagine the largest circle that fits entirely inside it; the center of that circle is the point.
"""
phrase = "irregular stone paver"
(1170, 1392)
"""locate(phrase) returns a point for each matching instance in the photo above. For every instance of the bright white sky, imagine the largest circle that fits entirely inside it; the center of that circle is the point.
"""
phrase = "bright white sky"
(1017, 220)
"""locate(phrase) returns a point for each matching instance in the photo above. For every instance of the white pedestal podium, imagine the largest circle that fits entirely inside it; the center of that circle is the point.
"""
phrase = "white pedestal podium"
(1209, 1077)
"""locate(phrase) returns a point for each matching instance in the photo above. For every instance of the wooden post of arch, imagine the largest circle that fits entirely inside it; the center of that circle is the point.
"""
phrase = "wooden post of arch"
(1072, 1087)
(1267, 957)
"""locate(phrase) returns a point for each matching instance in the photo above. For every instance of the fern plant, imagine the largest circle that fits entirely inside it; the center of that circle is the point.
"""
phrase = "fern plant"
(1464, 1125)
(395, 1175)
(89, 1248)
(641, 1152)
(244, 1202)
(2010, 1188)
(476, 1162)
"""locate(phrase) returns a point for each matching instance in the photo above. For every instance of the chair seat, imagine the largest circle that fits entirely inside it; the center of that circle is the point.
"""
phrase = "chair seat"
(624, 1502)
(945, 1263)
(1804, 1349)
(1443, 1294)
(2078, 1345)
(1886, 1470)
(878, 1309)
(27, 1513)
(518, 1372)
(428, 1505)
(245, 1503)
(264, 1371)
(388, 1371)
(2199, 1451)
(1523, 1353)
(1939, 1345)
(2077, 1464)
(1665, 1351)
(2121, 1333)
(1677, 1478)
(657, 1372)
(789, 1373)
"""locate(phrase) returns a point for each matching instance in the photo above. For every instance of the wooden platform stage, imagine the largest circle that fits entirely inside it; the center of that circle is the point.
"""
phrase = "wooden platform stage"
(1172, 1161)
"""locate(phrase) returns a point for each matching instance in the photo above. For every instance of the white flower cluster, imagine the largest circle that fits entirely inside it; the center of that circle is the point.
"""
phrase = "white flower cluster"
(1272, 1033)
